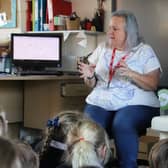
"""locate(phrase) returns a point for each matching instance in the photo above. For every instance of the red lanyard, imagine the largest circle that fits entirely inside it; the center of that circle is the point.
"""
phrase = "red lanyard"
(111, 69)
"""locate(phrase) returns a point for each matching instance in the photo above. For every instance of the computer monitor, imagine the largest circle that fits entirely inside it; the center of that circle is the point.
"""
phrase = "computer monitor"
(36, 50)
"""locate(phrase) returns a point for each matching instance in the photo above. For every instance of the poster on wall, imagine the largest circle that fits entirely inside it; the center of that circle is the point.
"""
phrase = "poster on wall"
(8, 13)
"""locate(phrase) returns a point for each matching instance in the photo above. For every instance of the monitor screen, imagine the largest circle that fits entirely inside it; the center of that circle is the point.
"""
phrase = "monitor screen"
(36, 50)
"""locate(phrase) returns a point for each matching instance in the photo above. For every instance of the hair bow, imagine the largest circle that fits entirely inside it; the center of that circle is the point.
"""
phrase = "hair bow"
(53, 122)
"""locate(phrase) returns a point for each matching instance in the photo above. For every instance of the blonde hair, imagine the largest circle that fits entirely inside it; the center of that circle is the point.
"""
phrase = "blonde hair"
(27, 156)
(51, 154)
(84, 141)
(8, 154)
(66, 119)
(3, 124)
(158, 156)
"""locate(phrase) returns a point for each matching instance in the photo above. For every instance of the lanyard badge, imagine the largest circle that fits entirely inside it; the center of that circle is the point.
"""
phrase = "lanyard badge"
(112, 68)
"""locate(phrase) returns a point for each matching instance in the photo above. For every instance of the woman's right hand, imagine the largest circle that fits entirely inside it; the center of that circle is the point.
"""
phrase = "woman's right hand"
(86, 70)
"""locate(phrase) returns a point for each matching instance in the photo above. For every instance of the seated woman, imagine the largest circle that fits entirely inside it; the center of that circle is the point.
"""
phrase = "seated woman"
(124, 73)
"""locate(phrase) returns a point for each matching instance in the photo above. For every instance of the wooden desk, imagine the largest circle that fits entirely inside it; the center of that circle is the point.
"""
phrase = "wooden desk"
(35, 99)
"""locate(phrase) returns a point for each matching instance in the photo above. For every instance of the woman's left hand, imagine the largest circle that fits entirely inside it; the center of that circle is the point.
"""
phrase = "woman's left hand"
(148, 81)
(124, 70)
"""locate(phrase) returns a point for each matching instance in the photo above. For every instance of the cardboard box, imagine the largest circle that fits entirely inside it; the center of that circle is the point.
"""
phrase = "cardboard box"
(145, 145)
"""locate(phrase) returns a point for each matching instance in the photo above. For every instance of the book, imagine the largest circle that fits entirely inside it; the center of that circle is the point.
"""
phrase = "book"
(50, 14)
(37, 7)
(43, 7)
(33, 14)
(29, 15)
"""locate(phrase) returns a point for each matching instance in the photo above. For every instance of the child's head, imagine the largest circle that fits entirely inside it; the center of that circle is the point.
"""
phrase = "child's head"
(158, 156)
(8, 154)
(88, 145)
(54, 144)
(3, 124)
(62, 123)
(28, 158)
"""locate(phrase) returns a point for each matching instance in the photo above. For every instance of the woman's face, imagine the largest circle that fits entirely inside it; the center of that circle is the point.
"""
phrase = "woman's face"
(116, 33)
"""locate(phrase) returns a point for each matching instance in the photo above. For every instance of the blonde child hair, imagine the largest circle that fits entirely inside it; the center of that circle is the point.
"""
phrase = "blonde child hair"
(158, 156)
(88, 145)
(54, 143)
(27, 156)
(3, 124)
(8, 154)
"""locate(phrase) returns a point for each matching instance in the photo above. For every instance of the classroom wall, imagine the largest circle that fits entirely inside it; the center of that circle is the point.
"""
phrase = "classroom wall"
(87, 9)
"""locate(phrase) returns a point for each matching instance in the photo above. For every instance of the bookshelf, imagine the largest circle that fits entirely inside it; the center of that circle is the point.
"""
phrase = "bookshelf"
(81, 8)
(48, 12)
(40, 12)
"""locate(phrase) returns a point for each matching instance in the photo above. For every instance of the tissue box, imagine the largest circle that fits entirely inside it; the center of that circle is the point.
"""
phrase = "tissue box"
(145, 145)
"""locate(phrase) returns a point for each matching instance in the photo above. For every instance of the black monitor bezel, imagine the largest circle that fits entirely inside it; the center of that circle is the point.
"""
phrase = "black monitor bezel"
(37, 64)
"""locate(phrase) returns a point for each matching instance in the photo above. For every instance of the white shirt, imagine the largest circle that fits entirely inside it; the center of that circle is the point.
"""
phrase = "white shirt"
(122, 92)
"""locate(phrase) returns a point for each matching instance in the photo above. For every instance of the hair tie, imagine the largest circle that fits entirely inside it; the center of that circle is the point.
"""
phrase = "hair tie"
(81, 139)
(54, 122)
